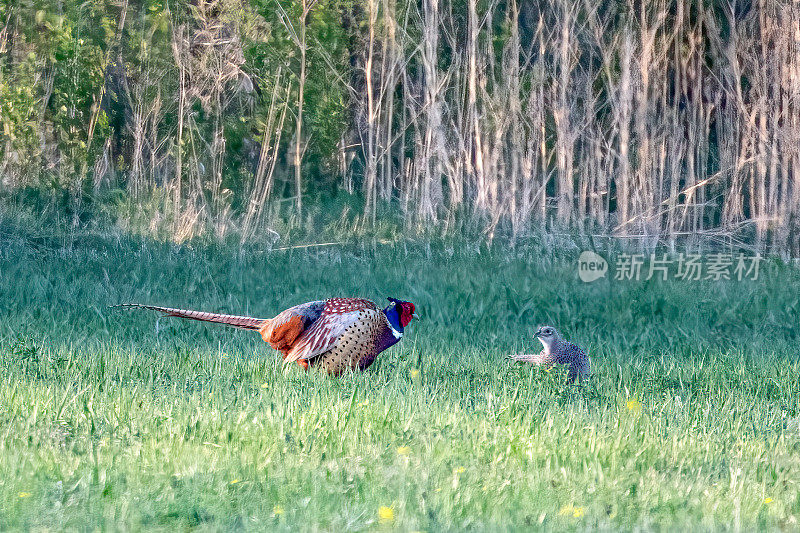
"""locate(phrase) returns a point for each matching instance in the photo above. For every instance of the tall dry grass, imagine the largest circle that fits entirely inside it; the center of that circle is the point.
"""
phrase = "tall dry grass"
(655, 121)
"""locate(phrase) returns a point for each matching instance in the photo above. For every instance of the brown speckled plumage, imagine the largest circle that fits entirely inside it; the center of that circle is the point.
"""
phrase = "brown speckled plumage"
(337, 334)
(356, 349)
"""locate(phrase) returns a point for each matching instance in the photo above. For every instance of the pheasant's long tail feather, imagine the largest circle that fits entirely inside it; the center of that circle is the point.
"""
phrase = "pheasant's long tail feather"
(244, 322)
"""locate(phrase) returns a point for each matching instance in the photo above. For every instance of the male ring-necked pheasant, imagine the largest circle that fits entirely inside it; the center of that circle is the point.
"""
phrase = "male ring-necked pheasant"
(336, 334)
(557, 351)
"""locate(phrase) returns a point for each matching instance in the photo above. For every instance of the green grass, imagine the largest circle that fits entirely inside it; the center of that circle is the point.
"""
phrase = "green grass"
(106, 424)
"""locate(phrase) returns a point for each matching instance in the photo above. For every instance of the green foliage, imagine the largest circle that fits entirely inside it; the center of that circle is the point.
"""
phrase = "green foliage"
(690, 420)
(18, 110)
(71, 62)
(51, 84)
(326, 100)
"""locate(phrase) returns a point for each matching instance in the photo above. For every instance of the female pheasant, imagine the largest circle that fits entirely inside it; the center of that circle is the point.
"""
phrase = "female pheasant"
(336, 334)
(557, 351)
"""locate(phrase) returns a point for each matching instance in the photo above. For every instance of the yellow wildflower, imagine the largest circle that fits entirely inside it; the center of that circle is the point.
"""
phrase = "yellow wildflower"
(768, 500)
(571, 510)
(634, 405)
(403, 450)
(414, 373)
(235, 481)
(364, 403)
(459, 470)
(277, 510)
(24, 494)
(385, 514)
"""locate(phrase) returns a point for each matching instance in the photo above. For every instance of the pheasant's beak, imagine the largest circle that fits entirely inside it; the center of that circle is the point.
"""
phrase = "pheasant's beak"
(415, 315)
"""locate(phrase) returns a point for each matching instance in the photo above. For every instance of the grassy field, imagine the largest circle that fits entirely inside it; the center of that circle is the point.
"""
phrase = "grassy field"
(689, 422)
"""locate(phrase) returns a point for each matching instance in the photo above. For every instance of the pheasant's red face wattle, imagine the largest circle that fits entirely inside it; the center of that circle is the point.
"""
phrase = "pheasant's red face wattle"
(406, 313)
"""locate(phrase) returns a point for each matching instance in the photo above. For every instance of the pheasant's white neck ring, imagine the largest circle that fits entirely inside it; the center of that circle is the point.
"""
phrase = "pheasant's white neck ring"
(397, 334)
